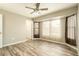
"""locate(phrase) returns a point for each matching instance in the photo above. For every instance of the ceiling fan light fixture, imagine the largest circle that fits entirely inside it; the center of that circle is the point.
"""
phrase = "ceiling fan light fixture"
(36, 9)
(36, 13)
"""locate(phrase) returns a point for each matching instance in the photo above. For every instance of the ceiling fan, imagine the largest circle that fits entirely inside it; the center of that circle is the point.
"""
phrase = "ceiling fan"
(37, 8)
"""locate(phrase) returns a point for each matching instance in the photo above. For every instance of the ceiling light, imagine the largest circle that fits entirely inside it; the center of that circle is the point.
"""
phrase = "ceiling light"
(37, 13)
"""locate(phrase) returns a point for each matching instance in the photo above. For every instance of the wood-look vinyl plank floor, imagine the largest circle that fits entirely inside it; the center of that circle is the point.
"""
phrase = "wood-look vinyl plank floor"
(37, 48)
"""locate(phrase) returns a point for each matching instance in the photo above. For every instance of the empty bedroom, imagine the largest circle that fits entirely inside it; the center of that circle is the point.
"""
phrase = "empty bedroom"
(39, 29)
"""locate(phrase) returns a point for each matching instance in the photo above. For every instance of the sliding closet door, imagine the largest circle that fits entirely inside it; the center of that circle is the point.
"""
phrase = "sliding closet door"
(45, 29)
(70, 30)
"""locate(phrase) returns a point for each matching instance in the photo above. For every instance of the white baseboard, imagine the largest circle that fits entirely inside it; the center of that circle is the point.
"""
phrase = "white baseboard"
(62, 44)
(35, 38)
(14, 43)
(40, 39)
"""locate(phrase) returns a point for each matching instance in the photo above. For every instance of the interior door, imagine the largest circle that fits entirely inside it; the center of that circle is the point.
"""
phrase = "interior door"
(36, 29)
(0, 31)
(71, 30)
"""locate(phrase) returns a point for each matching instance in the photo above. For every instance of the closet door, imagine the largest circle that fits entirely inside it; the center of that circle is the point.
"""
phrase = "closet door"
(71, 30)
(1, 31)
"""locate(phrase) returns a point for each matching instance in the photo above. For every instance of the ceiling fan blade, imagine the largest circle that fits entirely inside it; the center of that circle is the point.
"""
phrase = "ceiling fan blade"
(29, 8)
(43, 9)
(37, 5)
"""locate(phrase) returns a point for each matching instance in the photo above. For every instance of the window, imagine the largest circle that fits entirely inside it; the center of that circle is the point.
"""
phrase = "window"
(36, 30)
(71, 27)
(55, 28)
(45, 28)
(71, 30)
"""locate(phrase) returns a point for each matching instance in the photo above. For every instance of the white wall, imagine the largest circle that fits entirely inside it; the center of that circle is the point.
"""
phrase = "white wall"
(63, 29)
(29, 29)
(14, 29)
(1, 23)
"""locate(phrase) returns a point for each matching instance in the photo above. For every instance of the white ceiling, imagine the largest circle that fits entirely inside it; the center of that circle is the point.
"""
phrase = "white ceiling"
(19, 8)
